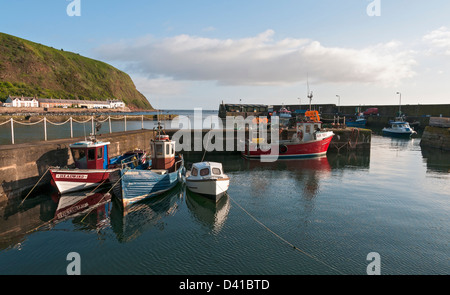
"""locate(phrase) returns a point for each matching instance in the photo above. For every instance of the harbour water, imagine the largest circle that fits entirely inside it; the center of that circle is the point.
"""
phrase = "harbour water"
(334, 210)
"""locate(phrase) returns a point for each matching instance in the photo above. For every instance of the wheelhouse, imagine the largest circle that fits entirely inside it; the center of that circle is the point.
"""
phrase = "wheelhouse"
(90, 155)
(163, 152)
(207, 169)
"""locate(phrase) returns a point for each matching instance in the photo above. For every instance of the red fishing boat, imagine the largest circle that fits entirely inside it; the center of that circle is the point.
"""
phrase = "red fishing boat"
(93, 166)
(308, 140)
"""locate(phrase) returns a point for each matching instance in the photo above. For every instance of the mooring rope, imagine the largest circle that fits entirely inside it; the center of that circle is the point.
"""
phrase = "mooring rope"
(284, 240)
(34, 186)
(125, 171)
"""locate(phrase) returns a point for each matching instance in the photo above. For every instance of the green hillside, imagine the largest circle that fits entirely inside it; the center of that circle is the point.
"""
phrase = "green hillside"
(31, 69)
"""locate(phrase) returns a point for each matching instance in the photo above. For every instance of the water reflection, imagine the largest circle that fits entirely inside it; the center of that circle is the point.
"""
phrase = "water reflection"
(350, 159)
(131, 222)
(17, 221)
(207, 212)
(436, 160)
(86, 209)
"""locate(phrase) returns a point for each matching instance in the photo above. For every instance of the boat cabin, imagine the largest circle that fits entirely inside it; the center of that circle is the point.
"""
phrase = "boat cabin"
(90, 154)
(207, 170)
(307, 131)
(400, 126)
(163, 152)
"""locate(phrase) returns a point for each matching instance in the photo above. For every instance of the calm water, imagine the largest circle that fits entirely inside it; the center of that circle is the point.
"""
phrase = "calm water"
(334, 210)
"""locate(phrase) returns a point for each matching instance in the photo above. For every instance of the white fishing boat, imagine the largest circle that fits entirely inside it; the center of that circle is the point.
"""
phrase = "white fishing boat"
(399, 128)
(207, 179)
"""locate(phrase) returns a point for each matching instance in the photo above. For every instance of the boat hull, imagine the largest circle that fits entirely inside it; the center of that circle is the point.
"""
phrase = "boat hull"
(397, 134)
(293, 149)
(72, 180)
(357, 124)
(137, 185)
(212, 189)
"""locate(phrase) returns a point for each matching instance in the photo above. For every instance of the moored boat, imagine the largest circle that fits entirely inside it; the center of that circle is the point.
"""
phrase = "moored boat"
(154, 177)
(359, 122)
(208, 179)
(399, 128)
(93, 166)
(283, 113)
(308, 141)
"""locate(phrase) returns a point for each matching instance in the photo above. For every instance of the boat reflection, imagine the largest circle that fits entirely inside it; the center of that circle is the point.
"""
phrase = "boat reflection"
(86, 209)
(207, 212)
(130, 222)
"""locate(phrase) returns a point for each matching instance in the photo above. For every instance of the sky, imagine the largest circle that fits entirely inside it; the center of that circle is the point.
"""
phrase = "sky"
(200, 53)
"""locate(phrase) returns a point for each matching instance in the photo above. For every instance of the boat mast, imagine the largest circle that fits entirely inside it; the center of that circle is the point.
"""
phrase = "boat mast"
(308, 94)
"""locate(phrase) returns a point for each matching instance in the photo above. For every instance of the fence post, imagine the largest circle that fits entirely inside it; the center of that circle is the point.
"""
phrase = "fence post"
(45, 128)
(109, 119)
(71, 128)
(125, 122)
(92, 125)
(12, 131)
(142, 121)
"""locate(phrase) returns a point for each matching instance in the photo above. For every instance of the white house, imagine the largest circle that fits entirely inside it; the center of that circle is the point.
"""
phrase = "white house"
(90, 104)
(22, 102)
(115, 104)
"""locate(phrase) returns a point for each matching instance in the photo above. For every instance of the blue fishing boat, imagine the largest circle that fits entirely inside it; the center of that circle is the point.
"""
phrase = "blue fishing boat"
(153, 177)
(359, 122)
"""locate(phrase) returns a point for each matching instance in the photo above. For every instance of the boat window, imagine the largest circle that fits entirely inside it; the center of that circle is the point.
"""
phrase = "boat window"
(91, 154)
(194, 171)
(173, 148)
(99, 153)
(159, 149)
(216, 171)
(307, 129)
(78, 155)
(167, 149)
(204, 172)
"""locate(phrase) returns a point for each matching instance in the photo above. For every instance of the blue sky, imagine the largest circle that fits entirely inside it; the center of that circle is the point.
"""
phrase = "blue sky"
(186, 54)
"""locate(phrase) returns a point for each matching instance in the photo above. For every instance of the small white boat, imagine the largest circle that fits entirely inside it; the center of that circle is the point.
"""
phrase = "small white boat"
(399, 128)
(207, 179)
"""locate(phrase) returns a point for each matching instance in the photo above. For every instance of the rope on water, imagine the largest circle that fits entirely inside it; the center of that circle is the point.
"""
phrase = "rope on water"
(284, 240)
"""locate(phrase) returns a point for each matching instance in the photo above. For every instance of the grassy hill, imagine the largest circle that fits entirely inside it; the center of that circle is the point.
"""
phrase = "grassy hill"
(31, 69)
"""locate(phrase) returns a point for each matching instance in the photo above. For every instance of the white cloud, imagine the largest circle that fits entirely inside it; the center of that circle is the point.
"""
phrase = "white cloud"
(260, 60)
(439, 40)
(160, 86)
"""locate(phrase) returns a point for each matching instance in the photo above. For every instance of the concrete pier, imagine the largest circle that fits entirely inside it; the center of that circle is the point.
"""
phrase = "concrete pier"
(437, 135)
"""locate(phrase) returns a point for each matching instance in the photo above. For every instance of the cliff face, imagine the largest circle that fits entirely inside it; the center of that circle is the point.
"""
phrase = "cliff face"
(31, 69)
